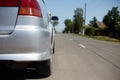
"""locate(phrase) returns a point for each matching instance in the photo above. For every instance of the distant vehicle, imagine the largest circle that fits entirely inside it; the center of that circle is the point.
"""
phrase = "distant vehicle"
(26, 36)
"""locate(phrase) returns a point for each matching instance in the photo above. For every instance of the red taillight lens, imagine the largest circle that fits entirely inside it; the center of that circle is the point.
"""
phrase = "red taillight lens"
(30, 7)
(10, 3)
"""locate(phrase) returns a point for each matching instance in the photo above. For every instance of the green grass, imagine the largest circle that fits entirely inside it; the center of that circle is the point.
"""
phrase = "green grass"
(103, 38)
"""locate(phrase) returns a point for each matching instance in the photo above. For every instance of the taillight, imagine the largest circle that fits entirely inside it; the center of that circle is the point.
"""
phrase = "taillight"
(9, 3)
(30, 7)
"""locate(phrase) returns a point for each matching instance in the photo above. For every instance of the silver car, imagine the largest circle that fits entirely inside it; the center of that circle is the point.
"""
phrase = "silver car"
(26, 36)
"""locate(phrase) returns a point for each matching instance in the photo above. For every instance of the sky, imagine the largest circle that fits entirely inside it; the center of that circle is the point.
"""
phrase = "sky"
(64, 9)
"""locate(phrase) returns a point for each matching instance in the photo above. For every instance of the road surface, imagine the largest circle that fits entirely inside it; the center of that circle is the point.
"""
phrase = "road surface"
(79, 58)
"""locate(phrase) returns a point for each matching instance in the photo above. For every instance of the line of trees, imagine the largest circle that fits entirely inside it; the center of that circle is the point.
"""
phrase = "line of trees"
(111, 20)
(74, 26)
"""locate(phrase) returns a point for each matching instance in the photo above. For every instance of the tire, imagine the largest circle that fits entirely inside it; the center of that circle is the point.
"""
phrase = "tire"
(45, 69)
(54, 48)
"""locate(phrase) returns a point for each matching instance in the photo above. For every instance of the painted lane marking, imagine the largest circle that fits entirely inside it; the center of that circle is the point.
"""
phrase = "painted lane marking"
(81, 45)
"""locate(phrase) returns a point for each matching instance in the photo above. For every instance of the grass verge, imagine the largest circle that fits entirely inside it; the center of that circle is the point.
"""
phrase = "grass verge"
(103, 38)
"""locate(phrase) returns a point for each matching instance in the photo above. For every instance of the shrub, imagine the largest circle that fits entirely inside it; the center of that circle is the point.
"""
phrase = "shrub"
(90, 31)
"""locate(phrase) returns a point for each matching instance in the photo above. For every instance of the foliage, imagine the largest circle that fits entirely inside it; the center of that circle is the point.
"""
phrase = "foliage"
(90, 31)
(112, 21)
(55, 23)
(93, 21)
(78, 20)
(74, 26)
(68, 23)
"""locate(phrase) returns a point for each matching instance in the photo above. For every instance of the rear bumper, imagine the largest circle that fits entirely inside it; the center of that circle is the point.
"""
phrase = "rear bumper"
(19, 57)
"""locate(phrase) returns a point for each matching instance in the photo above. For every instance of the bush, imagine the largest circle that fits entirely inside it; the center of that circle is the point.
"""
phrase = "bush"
(90, 31)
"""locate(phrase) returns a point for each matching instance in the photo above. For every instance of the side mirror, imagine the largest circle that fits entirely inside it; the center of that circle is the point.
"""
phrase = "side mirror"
(55, 20)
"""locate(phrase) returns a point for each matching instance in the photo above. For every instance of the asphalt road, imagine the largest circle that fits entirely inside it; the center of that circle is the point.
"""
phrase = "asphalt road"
(79, 58)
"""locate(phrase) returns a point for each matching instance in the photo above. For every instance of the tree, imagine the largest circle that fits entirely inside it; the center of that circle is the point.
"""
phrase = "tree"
(78, 20)
(55, 23)
(68, 23)
(112, 21)
(92, 22)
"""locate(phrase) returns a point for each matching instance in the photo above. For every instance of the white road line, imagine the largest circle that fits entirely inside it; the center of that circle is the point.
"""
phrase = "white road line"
(81, 45)
(71, 39)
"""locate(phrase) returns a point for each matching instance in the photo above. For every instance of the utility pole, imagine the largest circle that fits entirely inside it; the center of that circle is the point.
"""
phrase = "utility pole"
(84, 20)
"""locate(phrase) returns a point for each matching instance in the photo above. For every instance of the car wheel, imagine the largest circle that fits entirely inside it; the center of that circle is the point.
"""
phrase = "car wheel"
(54, 48)
(44, 70)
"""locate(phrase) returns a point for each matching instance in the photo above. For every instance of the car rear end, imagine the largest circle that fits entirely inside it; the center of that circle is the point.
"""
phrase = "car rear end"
(24, 34)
